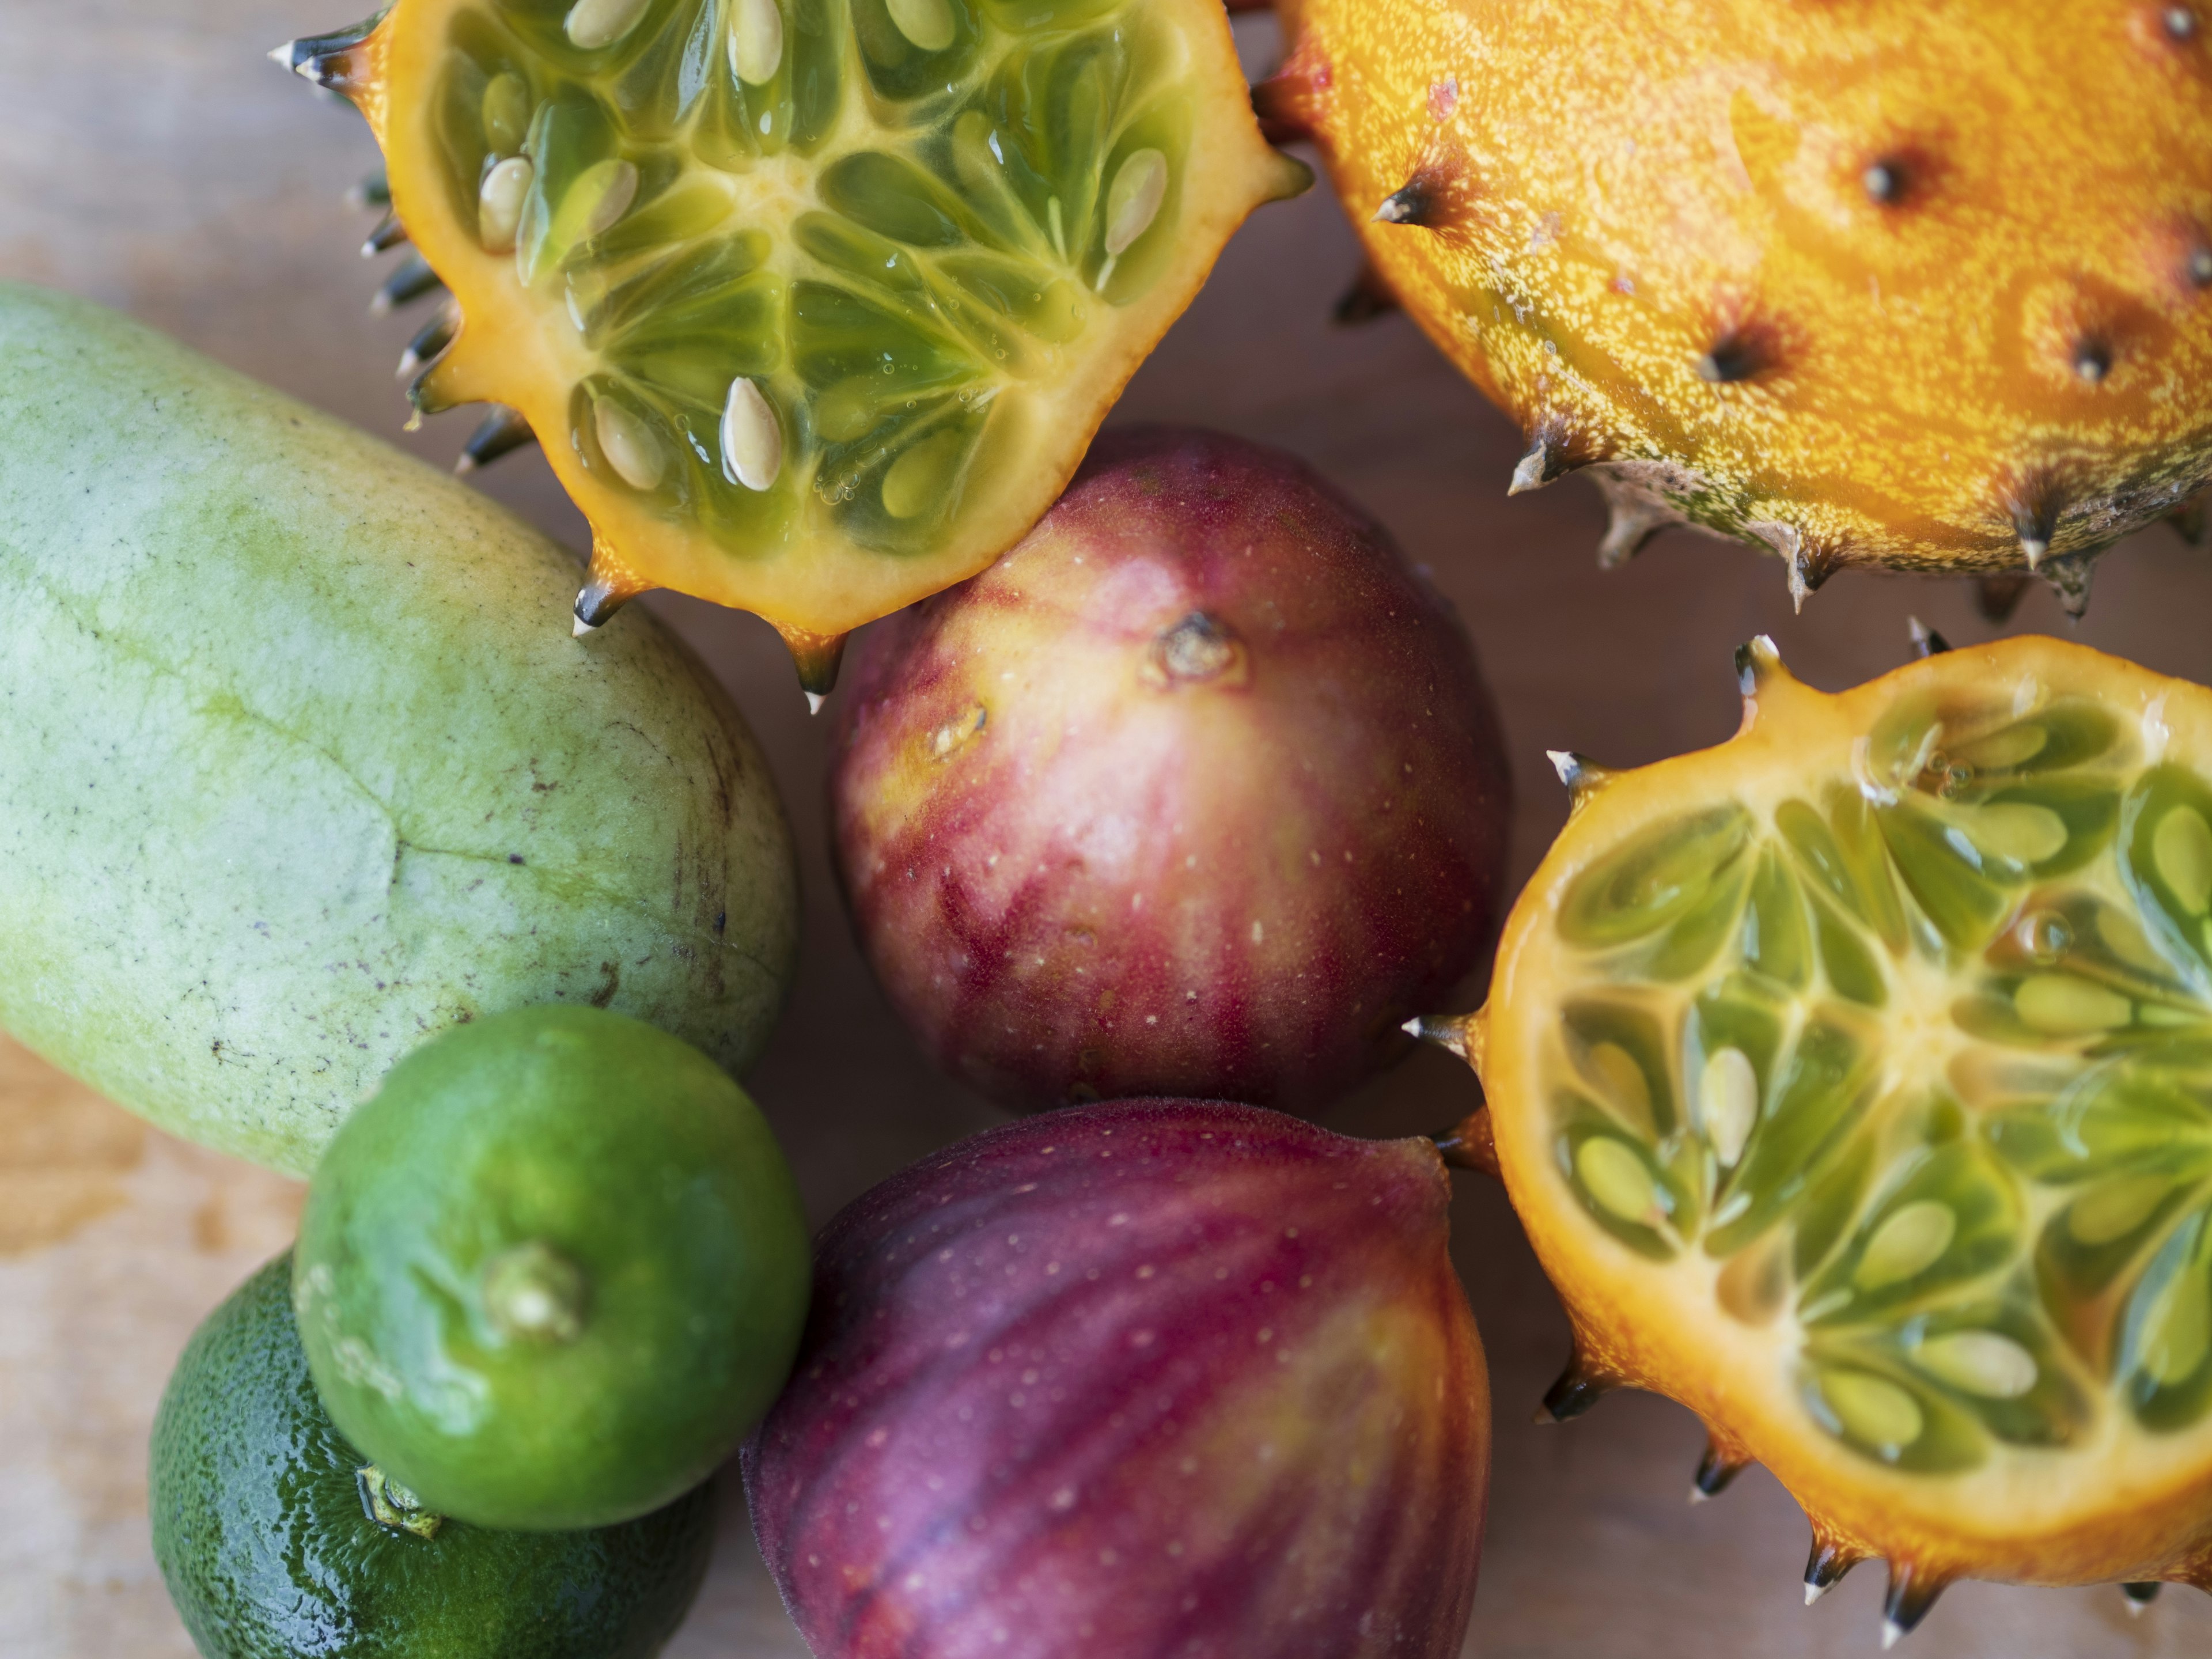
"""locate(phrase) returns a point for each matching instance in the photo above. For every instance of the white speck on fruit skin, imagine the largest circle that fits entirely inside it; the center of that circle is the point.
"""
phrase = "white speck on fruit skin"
(1258, 933)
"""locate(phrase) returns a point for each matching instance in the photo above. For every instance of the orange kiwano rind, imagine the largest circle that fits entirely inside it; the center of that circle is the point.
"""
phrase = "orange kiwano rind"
(1867, 285)
(816, 303)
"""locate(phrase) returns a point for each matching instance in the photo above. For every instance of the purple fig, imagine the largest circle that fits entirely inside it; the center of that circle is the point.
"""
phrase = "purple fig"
(1152, 1380)
(1198, 790)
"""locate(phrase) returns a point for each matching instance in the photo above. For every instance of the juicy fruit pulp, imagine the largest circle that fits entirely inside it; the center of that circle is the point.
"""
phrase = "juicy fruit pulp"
(1854, 1081)
(292, 778)
(815, 302)
(276, 1538)
(1156, 1377)
(1197, 791)
(1860, 285)
(553, 1271)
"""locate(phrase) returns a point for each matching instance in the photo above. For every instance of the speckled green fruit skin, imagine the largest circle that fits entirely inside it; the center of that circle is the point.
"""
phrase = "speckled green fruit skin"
(636, 1162)
(261, 1535)
(301, 764)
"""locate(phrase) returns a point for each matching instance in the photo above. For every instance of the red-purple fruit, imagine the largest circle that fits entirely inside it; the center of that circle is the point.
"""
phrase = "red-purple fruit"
(1152, 1380)
(1196, 791)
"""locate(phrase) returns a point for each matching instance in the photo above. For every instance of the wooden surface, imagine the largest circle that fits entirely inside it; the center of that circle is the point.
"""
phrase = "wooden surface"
(151, 158)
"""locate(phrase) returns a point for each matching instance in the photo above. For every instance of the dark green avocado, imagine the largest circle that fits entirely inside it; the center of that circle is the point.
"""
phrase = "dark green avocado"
(266, 1528)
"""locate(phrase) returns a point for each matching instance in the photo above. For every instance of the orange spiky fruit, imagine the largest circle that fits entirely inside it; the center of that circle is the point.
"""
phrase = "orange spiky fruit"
(1881, 283)
(816, 303)
(1853, 1081)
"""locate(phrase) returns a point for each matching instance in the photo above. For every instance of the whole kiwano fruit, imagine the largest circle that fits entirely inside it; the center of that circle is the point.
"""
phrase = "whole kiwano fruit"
(1147, 1379)
(1198, 790)
(277, 1538)
(553, 1271)
(1884, 283)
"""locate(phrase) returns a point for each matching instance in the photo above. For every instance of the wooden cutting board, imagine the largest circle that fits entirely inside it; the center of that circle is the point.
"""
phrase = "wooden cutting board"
(150, 158)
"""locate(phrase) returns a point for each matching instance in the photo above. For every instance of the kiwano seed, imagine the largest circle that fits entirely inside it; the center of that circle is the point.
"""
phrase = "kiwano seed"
(1986, 1362)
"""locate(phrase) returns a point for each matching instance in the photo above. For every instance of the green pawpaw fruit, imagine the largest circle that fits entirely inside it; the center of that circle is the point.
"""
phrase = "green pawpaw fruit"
(299, 767)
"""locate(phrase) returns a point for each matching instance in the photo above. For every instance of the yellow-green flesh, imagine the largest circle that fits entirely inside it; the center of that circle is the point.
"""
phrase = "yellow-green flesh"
(811, 249)
(1921, 1057)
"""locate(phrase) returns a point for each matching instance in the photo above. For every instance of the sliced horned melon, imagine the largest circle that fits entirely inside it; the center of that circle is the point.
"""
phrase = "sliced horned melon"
(1853, 1080)
(815, 303)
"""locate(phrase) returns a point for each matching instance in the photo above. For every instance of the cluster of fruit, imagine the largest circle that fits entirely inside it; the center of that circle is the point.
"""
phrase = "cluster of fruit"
(1853, 1080)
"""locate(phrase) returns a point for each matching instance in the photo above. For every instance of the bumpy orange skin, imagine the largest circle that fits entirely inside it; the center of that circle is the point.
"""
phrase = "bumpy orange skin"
(1951, 264)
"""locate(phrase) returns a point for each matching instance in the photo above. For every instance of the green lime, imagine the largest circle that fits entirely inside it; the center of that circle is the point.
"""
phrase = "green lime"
(553, 1271)
(266, 1527)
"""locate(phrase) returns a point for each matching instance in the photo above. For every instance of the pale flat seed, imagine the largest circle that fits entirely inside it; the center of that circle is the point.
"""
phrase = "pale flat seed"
(2115, 1209)
(2062, 1005)
(1616, 1178)
(595, 23)
(756, 41)
(919, 476)
(2124, 939)
(2178, 1331)
(615, 183)
(927, 23)
(1873, 1409)
(2181, 846)
(1906, 1245)
(1727, 1099)
(630, 449)
(752, 441)
(1134, 201)
(1985, 1363)
(1752, 1287)
(2003, 749)
(499, 203)
(1624, 1085)
(505, 112)
(2018, 830)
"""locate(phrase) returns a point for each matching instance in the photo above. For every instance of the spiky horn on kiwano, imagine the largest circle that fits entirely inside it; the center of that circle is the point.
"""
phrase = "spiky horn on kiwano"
(1867, 286)
(818, 303)
(1853, 1080)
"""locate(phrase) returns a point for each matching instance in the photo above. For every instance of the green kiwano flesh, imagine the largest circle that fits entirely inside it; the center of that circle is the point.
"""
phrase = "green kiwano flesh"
(299, 768)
